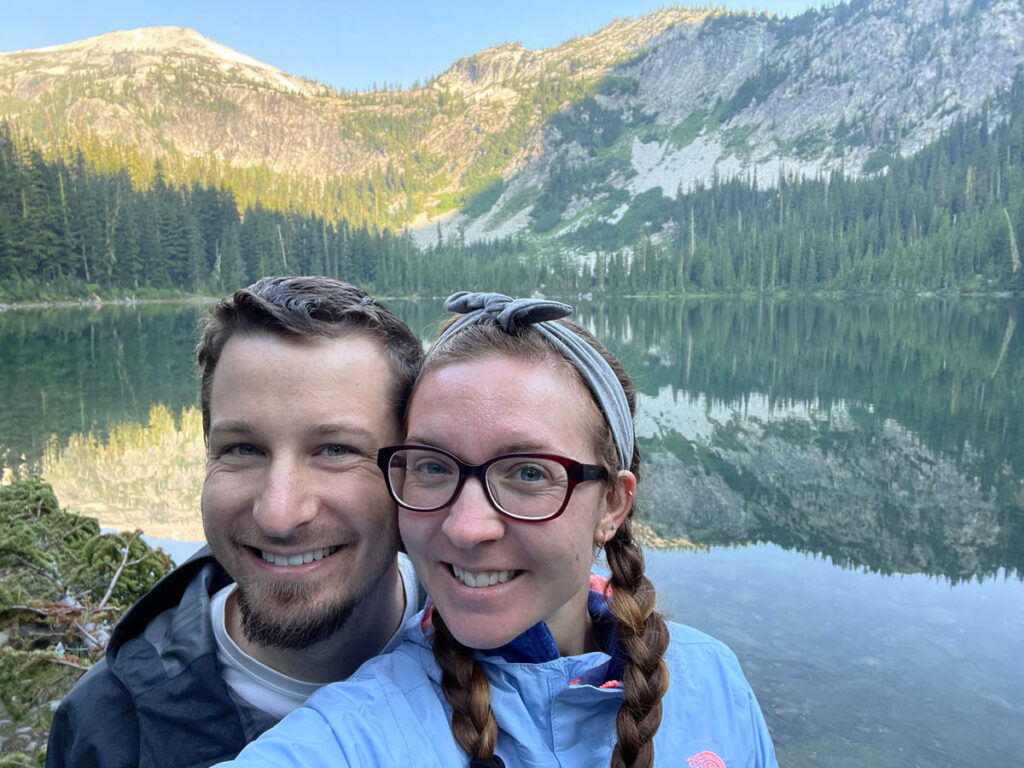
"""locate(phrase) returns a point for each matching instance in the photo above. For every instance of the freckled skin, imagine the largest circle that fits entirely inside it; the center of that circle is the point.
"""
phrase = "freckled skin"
(478, 410)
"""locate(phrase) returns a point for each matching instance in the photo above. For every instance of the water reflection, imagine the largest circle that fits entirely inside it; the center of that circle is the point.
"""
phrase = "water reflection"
(882, 434)
(877, 435)
(76, 370)
(853, 669)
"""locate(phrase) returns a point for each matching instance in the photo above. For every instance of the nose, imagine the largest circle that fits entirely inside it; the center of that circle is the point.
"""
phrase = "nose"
(471, 519)
(285, 503)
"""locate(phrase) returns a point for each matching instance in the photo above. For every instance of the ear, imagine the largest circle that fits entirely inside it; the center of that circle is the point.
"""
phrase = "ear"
(617, 505)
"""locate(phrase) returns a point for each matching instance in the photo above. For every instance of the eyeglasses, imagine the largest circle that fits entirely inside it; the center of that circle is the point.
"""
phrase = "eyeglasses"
(523, 486)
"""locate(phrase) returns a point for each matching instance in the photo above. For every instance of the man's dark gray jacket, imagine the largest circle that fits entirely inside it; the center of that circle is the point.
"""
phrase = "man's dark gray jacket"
(157, 700)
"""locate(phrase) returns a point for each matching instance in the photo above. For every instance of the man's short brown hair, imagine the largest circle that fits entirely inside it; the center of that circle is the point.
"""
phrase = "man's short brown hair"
(307, 307)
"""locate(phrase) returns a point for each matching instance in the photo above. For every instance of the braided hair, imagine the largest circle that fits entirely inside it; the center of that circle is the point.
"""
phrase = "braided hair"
(640, 629)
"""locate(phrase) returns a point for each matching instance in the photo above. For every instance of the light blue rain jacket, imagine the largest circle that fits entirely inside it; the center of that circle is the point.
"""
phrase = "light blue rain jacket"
(555, 712)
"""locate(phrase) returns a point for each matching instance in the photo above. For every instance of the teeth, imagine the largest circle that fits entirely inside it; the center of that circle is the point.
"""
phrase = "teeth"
(304, 557)
(482, 578)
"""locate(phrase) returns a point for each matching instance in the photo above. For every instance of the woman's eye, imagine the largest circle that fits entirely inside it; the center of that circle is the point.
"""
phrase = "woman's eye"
(530, 474)
(432, 468)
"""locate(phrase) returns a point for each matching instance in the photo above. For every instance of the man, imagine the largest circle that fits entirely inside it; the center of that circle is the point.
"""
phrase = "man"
(303, 379)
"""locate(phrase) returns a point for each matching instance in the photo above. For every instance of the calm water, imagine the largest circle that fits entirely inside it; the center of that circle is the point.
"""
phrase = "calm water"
(853, 472)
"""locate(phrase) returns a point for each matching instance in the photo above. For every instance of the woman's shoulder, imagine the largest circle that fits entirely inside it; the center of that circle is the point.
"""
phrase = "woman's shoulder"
(685, 639)
(710, 708)
(702, 660)
(381, 715)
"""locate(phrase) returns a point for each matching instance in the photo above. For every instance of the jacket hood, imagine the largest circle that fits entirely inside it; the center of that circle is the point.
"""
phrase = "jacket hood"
(165, 594)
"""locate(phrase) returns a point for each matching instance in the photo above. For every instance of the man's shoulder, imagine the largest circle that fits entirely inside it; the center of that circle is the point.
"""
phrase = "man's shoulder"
(104, 681)
(159, 668)
(187, 588)
(98, 693)
(97, 707)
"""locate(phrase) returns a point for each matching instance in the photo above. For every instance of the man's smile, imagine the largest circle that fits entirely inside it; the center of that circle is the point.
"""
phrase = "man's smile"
(298, 558)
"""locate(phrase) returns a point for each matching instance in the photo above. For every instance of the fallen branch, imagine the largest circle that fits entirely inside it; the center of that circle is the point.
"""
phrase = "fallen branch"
(88, 635)
(65, 663)
(120, 569)
(30, 609)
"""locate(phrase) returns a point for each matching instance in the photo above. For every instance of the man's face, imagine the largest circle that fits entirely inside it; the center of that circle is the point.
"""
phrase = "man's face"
(294, 506)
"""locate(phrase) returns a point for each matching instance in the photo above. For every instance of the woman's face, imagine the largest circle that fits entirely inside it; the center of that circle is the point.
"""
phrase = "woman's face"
(478, 410)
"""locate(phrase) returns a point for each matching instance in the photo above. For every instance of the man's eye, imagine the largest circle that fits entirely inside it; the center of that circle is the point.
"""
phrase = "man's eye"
(336, 450)
(242, 449)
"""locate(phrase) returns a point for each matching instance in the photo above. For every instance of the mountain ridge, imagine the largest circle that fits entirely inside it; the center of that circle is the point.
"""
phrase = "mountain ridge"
(674, 100)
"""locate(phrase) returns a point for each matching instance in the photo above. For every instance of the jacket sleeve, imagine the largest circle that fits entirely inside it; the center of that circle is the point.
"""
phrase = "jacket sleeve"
(304, 739)
(95, 725)
(365, 721)
(764, 748)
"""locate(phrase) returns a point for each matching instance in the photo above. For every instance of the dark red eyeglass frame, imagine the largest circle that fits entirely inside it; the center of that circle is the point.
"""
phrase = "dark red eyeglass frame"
(576, 473)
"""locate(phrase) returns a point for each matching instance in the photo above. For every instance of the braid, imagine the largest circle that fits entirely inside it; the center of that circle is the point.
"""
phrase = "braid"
(644, 637)
(468, 690)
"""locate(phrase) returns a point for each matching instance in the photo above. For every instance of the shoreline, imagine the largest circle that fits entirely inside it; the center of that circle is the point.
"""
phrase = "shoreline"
(131, 301)
(97, 303)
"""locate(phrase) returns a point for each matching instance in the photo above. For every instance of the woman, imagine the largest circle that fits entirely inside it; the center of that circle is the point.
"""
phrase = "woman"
(519, 463)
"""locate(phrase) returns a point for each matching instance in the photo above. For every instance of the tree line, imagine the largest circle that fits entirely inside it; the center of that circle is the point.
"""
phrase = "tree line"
(949, 218)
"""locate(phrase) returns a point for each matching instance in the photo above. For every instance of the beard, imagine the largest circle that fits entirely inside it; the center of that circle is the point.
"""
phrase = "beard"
(310, 624)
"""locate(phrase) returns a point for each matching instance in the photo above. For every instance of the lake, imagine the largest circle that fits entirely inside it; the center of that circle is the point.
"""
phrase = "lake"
(851, 472)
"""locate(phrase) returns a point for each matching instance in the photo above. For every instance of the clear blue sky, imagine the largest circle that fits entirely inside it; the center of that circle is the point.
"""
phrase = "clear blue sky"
(344, 43)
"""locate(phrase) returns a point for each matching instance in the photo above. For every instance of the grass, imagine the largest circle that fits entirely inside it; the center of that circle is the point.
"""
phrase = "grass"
(146, 476)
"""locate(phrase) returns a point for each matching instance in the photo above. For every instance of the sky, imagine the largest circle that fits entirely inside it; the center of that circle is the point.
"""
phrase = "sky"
(347, 44)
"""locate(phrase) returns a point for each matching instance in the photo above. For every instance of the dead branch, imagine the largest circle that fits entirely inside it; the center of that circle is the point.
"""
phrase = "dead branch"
(65, 663)
(120, 569)
(87, 635)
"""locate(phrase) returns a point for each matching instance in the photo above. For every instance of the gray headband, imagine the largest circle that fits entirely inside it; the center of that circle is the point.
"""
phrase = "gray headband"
(510, 314)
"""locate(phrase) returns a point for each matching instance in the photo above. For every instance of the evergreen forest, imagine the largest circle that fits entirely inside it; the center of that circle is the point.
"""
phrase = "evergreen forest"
(949, 218)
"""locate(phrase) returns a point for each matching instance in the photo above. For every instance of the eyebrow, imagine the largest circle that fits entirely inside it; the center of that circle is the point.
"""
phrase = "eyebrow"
(241, 427)
(519, 446)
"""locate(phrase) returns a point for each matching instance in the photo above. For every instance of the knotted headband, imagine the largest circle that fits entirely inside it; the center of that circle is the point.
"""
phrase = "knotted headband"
(511, 314)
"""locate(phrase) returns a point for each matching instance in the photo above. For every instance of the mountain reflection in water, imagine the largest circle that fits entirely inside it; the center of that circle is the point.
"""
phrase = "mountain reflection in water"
(884, 435)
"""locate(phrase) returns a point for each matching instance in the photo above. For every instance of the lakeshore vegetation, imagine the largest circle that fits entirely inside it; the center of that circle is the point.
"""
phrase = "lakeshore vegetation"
(64, 585)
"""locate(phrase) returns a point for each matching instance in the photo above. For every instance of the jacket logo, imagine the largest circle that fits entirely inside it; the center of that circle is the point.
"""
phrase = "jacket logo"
(706, 760)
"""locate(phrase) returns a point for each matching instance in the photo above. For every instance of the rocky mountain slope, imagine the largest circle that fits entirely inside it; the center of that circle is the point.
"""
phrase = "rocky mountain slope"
(842, 89)
(539, 142)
